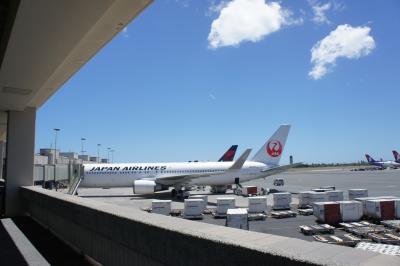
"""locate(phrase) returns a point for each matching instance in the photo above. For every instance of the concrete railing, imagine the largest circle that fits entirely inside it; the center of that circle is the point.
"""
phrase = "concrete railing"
(115, 235)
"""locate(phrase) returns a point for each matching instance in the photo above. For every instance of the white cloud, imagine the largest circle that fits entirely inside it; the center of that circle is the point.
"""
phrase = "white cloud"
(319, 13)
(246, 20)
(345, 41)
(320, 9)
(216, 7)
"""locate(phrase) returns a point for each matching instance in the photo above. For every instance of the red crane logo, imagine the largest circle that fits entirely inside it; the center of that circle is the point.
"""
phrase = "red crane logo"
(274, 148)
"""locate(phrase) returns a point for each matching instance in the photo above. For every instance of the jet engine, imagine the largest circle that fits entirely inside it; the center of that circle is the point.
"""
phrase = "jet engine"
(144, 187)
(147, 187)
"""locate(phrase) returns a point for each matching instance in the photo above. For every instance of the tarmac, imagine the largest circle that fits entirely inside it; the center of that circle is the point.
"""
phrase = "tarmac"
(378, 183)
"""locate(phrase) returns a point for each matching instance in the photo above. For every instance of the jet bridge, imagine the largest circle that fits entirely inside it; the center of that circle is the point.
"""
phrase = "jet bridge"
(77, 176)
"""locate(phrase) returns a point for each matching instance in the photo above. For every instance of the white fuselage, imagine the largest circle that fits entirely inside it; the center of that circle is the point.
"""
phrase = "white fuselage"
(124, 175)
(391, 164)
(386, 164)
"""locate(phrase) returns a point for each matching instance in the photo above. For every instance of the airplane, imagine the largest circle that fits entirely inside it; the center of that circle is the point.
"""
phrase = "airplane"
(229, 154)
(382, 164)
(226, 157)
(396, 156)
(147, 178)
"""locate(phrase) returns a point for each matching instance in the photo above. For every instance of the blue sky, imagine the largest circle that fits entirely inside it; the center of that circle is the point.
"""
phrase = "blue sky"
(163, 90)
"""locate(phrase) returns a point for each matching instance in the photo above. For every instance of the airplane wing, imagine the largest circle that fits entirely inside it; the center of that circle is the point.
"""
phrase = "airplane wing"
(181, 179)
(280, 169)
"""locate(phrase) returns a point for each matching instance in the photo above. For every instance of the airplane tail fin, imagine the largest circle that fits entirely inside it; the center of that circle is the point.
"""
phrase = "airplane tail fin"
(229, 154)
(396, 156)
(369, 158)
(270, 153)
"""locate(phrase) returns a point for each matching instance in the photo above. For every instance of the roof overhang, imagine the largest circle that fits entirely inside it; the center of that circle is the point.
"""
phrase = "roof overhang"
(44, 42)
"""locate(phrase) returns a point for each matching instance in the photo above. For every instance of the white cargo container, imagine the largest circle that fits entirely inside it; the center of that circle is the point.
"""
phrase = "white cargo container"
(363, 201)
(327, 212)
(318, 197)
(350, 211)
(193, 208)
(249, 191)
(237, 218)
(282, 200)
(258, 204)
(202, 197)
(383, 209)
(387, 197)
(161, 207)
(357, 193)
(318, 210)
(223, 204)
(304, 199)
(335, 195)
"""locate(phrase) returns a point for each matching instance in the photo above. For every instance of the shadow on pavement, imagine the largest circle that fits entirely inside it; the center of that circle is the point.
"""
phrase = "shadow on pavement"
(55, 251)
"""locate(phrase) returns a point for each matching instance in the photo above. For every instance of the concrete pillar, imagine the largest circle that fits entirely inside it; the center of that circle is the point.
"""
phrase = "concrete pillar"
(19, 157)
(2, 150)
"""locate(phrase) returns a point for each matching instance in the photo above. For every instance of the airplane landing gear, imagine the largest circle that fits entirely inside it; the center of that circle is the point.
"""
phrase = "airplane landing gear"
(173, 193)
(237, 182)
(218, 189)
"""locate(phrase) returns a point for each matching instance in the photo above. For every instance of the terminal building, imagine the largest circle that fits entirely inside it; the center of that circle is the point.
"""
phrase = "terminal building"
(53, 167)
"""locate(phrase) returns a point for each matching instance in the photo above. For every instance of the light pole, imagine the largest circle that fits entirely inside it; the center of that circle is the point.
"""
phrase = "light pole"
(82, 150)
(56, 130)
(98, 152)
(112, 156)
(108, 155)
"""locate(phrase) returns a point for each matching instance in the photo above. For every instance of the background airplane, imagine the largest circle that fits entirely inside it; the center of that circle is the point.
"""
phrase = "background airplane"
(396, 156)
(381, 163)
(229, 154)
